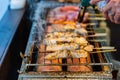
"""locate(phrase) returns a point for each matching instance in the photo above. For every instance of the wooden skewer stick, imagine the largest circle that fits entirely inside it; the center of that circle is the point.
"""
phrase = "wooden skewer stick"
(96, 15)
(105, 47)
(113, 50)
(69, 40)
(95, 35)
(98, 35)
(98, 40)
(64, 31)
(91, 24)
(97, 18)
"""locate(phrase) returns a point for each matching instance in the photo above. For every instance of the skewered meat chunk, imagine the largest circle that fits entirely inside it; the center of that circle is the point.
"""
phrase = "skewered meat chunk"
(61, 34)
(81, 41)
(69, 27)
(58, 54)
(79, 54)
(62, 47)
(41, 60)
(89, 48)
(54, 41)
(67, 54)
(62, 54)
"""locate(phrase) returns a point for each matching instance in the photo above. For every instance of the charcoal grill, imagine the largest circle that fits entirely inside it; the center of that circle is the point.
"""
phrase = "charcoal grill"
(100, 63)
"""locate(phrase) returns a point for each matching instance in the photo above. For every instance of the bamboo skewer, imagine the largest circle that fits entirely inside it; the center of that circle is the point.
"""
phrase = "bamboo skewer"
(91, 24)
(96, 15)
(106, 47)
(95, 35)
(98, 40)
(98, 35)
(102, 49)
(97, 18)
(67, 31)
(62, 39)
(113, 50)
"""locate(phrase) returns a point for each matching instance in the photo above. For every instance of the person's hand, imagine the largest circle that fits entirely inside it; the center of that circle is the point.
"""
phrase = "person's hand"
(112, 11)
(94, 1)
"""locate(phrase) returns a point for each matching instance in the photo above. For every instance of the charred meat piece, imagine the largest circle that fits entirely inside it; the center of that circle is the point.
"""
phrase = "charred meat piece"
(81, 41)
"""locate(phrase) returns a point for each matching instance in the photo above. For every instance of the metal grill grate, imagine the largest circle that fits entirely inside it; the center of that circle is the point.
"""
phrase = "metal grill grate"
(97, 61)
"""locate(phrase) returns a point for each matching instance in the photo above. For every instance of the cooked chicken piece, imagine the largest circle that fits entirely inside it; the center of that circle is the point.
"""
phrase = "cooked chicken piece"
(53, 48)
(63, 39)
(50, 35)
(62, 54)
(49, 42)
(81, 41)
(58, 54)
(74, 46)
(69, 27)
(62, 47)
(70, 23)
(89, 48)
(67, 53)
(55, 35)
(70, 34)
(58, 34)
(61, 34)
(79, 54)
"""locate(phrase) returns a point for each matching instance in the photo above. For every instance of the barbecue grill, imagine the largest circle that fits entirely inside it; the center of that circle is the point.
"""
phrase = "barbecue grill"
(97, 61)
